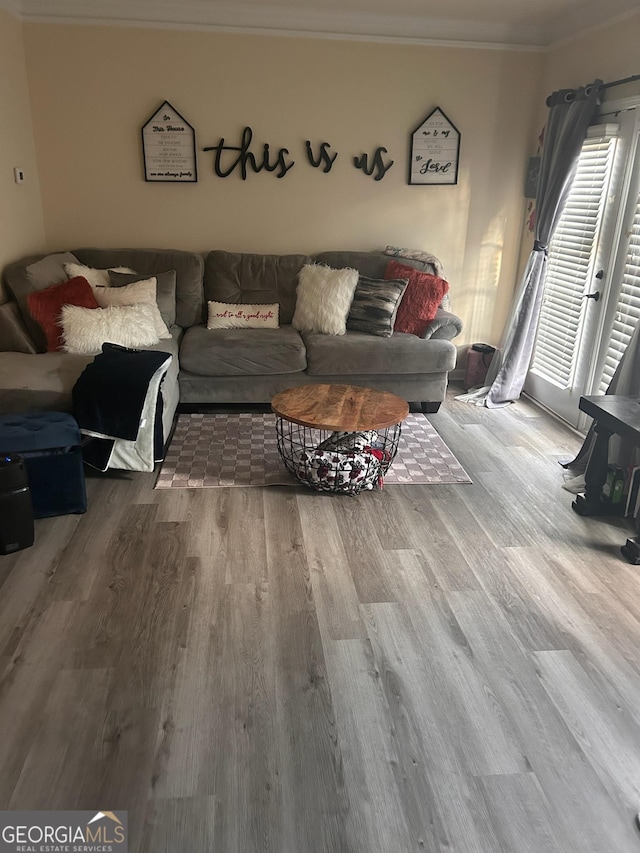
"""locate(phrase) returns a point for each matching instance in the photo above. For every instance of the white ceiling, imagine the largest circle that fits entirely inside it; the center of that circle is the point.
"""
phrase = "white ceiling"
(526, 23)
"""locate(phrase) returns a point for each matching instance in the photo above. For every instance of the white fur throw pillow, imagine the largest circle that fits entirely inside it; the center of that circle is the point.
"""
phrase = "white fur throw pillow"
(323, 299)
(95, 277)
(140, 292)
(84, 330)
(224, 315)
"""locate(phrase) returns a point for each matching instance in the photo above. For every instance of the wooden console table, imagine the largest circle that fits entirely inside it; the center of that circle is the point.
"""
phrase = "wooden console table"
(612, 415)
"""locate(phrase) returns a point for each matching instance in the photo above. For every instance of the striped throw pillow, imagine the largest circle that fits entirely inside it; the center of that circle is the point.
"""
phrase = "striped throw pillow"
(374, 306)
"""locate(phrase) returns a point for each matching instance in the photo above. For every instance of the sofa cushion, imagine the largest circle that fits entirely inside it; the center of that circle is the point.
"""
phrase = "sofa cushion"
(84, 330)
(324, 296)
(361, 353)
(31, 275)
(421, 299)
(242, 352)
(189, 267)
(14, 336)
(375, 304)
(136, 293)
(165, 290)
(44, 381)
(411, 255)
(250, 279)
(45, 306)
(371, 264)
(374, 264)
(39, 381)
(95, 277)
(50, 270)
(225, 315)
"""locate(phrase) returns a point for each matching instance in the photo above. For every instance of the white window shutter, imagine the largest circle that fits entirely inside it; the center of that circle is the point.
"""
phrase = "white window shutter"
(628, 307)
(571, 259)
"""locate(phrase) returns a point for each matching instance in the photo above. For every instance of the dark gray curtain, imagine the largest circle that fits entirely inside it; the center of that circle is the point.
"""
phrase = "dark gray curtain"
(570, 114)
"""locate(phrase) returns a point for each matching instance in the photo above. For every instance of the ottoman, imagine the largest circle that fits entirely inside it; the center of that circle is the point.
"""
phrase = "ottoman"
(49, 443)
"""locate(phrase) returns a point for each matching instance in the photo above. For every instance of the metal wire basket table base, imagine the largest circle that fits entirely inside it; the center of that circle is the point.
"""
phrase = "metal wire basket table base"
(342, 463)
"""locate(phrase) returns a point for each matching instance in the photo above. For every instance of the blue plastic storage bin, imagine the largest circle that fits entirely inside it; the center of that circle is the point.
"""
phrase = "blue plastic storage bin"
(50, 444)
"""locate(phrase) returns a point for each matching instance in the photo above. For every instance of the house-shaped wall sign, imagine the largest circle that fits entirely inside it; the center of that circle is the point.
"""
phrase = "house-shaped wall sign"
(435, 151)
(169, 147)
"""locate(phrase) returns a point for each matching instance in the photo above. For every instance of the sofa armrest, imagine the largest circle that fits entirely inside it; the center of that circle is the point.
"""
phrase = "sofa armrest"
(444, 326)
(14, 336)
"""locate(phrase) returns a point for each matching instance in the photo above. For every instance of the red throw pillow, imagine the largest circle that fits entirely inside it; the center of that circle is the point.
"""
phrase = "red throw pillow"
(45, 306)
(421, 299)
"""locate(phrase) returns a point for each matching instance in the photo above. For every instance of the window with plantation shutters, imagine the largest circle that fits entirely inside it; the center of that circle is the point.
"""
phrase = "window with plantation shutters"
(628, 306)
(572, 260)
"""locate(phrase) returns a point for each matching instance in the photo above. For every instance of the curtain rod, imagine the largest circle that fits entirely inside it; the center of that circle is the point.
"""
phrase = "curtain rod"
(568, 95)
(620, 82)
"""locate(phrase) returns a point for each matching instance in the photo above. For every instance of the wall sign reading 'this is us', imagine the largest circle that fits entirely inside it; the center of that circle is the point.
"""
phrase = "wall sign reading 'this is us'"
(228, 158)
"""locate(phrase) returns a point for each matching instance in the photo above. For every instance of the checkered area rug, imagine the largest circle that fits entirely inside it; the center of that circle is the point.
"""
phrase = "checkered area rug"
(209, 451)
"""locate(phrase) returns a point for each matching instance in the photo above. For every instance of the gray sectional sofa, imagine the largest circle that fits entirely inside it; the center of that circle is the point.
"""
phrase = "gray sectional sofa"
(226, 366)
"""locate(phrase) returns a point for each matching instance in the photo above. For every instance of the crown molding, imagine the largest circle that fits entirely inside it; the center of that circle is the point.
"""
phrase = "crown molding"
(279, 20)
(298, 34)
(260, 18)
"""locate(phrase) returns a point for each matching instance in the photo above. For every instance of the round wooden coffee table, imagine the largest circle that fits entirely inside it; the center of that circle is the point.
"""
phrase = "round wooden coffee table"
(340, 438)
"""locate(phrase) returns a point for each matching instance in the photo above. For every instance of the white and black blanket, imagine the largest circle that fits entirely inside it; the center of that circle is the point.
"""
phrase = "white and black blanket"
(117, 402)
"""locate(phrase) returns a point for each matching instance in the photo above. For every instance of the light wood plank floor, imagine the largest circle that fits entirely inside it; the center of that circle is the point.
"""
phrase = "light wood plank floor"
(438, 668)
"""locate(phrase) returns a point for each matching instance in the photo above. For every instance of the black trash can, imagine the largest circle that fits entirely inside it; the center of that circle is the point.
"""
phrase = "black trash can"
(16, 512)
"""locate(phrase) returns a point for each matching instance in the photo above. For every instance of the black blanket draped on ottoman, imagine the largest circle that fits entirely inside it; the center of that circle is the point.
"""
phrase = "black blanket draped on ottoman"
(117, 402)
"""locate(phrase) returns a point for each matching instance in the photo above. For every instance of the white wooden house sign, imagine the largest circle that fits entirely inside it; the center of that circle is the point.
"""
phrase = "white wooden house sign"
(169, 147)
(435, 151)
